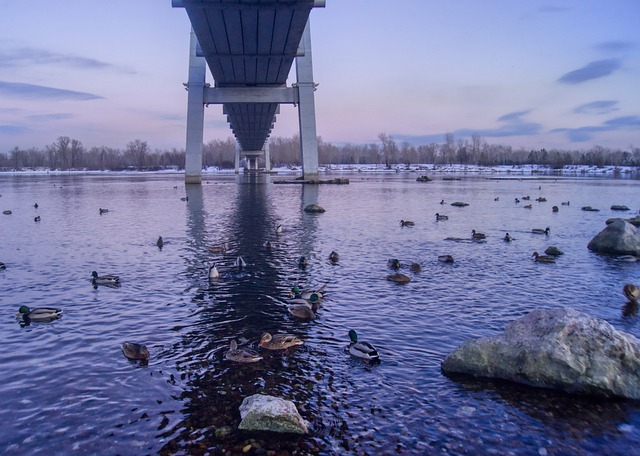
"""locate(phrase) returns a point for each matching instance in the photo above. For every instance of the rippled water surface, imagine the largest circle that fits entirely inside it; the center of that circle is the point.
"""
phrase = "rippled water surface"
(67, 389)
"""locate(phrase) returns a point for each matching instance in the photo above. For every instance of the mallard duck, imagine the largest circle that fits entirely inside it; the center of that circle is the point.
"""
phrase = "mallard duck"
(361, 349)
(184, 198)
(240, 263)
(394, 263)
(399, 278)
(36, 205)
(39, 313)
(213, 272)
(543, 258)
(476, 235)
(507, 238)
(308, 293)
(36, 218)
(135, 351)
(415, 267)
(302, 262)
(555, 209)
(565, 203)
(302, 311)
(103, 211)
(104, 279)
(442, 202)
(279, 341)
(526, 198)
(220, 248)
(160, 242)
(406, 223)
(528, 206)
(2, 266)
(241, 355)
(441, 217)
(541, 231)
(334, 257)
(313, 304)
(445, 258)
(632, 292)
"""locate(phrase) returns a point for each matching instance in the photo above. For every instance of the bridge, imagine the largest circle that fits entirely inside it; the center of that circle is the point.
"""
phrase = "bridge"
(249, 47)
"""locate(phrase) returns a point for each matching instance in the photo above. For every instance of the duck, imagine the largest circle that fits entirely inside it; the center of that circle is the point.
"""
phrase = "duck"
(2, 266)
(220, 248)
(541, 231)
(394, 263)
(36, 218)
(302, 311)
(184, 198)
(415, 267)
(543, 258)
(268, 246)
(160, 242)
(442, 202)
(312, 303)
(36, 205)
(103, 211)
(241, 355)
(517, 200)
(398, 278)
(308, 293)
(632, 292)
(303, 262)
(362, 349)
(555, 209)
(135, 351)
(39, 313)
(565, 203)
(240, 263)
(507, 238)
(526, 198)
(476, 235)
(441, 217)
(334, 257)
(279, 229)
(104, 279)
(213, 272)
(279, 341)
(528, 206)
(406, 223)
(445, 258)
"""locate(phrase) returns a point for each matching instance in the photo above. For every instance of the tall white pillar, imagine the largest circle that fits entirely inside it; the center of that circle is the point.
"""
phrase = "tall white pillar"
(307, 108)
(267, 157)
(237, 168)
(195, 115)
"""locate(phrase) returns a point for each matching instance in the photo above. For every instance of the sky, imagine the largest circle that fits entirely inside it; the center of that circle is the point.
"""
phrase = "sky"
(536, 74)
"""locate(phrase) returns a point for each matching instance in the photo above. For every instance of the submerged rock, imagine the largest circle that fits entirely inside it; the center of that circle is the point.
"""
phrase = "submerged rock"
(618, 238)
(556, 348)
(619, 207)
(459, 204)
(553, 251)
(269, 413)
(314, 209)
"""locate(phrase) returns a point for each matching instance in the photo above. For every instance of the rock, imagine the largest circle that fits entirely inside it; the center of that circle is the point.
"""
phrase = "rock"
(619, 207)
(459, 204)
(269, 413)
(314, 209)
(399, 278)
(556, 348)
(424, 178)
(618, 238)
(635, 221)
(553, 251)
(589, 209)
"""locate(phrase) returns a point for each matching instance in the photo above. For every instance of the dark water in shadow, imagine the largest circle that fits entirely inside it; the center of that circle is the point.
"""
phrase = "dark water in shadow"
(68, 389)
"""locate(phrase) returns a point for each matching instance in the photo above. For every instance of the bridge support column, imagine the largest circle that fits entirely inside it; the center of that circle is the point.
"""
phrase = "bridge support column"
(307, 109)
(237, 161)
(267, 157)
(195, 115)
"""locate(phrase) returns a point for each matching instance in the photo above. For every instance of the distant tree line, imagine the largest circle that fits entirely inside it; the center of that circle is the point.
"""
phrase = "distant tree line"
(67, 154)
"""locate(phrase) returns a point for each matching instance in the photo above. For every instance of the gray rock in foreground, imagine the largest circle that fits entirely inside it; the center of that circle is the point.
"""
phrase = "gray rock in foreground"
(618, 238)
(560, 348)
(269, 413)
(314, 209)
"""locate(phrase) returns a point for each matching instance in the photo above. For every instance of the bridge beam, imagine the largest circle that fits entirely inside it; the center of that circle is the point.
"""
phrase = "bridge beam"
(307, 109)
(195, 115)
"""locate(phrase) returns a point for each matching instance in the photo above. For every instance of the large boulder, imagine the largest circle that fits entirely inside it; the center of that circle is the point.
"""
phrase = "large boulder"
(269, 413)
(314, 209)
(559, 348)
(618, 238)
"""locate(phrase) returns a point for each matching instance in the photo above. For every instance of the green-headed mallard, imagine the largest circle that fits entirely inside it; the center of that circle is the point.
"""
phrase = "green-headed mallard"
(308, 293)
(302, 262)
(507, 238)
(543, 258)
(108, 279)
(213, 272)
(632, 292)
(135, 351)
(334, 257)
(477, 236)
(361, 349)
(279, 341)
(541, 231)
(241, 355)
(39, 313)
(394, 263)
(103, 211)
(406, 223)
(302, 311)
(441, 217)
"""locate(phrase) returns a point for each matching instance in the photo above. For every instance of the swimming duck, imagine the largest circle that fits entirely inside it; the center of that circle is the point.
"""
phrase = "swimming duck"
(2, 266)
(415, 267)
(135, 351)
(334, 257)
(302, 311)
(35, 205)
(517, 200)
(160, 242)
(394, 263)
(240, 264)
(445, 258)
(312, 303)
(361, 349)
(104, 279)
(476, 235)
(302, 262)
(220, 248)
(555, 209)
(541, 231)
(406, 223)
(526, 198)
(632, 292)
(213, 272)
(279, 229)
(565, 203)
(39, 313)
(528, 206)
(103, 211)
(507, 238)
(543, 258)
(241, 355)
(442, 202)
(36, 218)
(308, 293)
(399, 278)
(441, 217)
(268, 246)
(279, 341)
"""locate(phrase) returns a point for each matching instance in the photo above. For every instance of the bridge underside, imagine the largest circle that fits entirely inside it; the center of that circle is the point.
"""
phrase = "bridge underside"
(249, 47)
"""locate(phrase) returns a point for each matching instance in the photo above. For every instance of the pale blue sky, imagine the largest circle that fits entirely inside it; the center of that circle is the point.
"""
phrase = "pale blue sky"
(535, 74)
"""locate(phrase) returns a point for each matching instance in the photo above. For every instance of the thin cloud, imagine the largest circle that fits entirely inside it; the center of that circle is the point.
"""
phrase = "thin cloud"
(598, 107)
(593, 70)
(615, 46)
(32, 91)
(31, 56)
(586, 133)
(13, 129)
(49, 117)
(553, 9)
